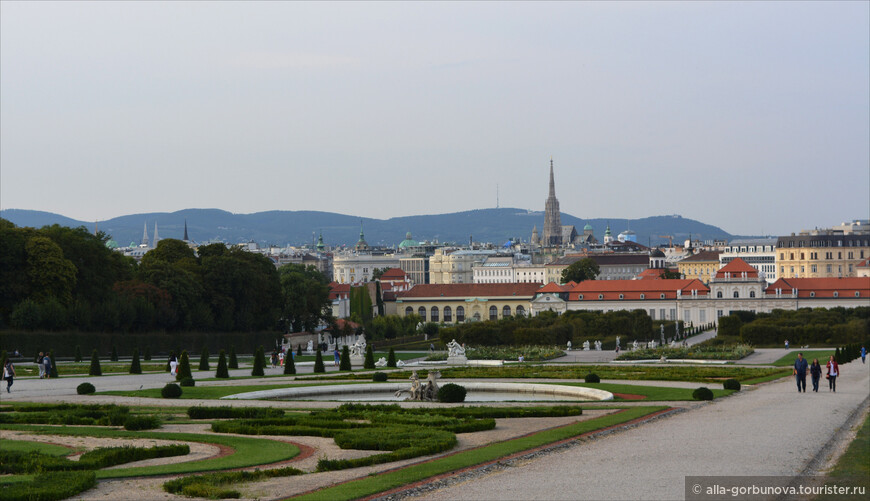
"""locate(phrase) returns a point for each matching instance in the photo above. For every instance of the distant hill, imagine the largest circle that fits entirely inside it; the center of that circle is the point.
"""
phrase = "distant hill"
(300, 227)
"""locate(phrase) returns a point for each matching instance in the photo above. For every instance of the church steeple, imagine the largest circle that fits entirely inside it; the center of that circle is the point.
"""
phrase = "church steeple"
(320, 245)
(552, 236)
(361, 245)
(186, 239)
(145, 240)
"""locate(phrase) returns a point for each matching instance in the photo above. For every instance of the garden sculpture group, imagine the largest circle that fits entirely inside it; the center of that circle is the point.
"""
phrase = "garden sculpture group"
(456, 353)
(422, 392)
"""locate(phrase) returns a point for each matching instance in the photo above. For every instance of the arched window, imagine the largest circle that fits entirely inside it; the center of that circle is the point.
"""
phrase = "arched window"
(422, 312)
(521, 312)
(622, 296)
(719, 294)
(434, 313)
(460, 314)
(643, 296)
(409, 311)
(662, 296)
(506, 311)
(736, 294)
(751, 293)
(448, 314)
(493, 313)
(476, 317)
(836, 294)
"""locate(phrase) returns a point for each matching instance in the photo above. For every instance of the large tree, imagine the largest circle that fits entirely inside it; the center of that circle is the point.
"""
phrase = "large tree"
(306, 296)
(584, 269)
(51, 275)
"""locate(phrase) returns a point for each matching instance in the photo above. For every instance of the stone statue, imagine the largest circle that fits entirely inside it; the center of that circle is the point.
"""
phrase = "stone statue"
(358, 349)
(382, 362)
(569, 345)
(617, 341)
(597, 345)
(586, 345)
(634, 345)
(674, 343)
(400, 363)
(422, 393)
(677, 327)
(310, 347)
(455, 349)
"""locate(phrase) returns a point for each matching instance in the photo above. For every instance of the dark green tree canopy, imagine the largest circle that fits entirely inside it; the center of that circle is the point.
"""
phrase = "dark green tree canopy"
(306, 296)
(584, 269)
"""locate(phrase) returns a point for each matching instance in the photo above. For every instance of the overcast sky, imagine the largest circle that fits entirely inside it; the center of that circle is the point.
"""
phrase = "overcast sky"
(751, 116)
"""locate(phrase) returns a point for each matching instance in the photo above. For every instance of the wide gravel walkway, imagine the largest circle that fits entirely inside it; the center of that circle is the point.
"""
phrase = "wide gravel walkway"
(768, 430)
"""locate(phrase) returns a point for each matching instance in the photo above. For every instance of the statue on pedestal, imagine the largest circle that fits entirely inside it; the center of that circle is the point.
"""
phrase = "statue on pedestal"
(586, 345)
(455, 349)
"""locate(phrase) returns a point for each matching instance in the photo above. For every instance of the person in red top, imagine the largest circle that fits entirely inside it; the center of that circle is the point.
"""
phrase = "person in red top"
(833, 372)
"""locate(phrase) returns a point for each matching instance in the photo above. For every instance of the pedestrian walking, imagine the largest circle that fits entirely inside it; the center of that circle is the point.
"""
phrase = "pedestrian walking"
(40, 366)
(173, 363)
(786, 344)
(46, 366)
(833, 372)
(336, 356)
(8, 374)
(274, 360)
(815, 374)
(800, 373)
(281, 358)
(863, 354)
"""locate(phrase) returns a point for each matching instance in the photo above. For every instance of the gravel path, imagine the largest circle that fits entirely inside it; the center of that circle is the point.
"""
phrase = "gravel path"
(767, 430)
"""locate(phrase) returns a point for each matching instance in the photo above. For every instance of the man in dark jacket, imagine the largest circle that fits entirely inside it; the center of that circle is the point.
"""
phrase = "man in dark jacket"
(800, 373)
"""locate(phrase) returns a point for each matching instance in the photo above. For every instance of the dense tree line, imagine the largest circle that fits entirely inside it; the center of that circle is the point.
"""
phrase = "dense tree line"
(550, 328)
(59, 278)
(812, 326)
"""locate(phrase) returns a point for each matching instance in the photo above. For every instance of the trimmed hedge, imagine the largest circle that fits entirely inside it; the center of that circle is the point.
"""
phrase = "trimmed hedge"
(318, 362)
(592, 378)
(134, 423)
(187, 382)
(85, 389)
(731, 384)
(451, 393)
(198, 412)
(702, 393)
(171, 390)
(210, 485)
(49, 486)
(379, 377)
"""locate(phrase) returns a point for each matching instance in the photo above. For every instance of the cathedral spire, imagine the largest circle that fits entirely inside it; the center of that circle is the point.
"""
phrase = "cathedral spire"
(185, 231)
(145, 235)
(552, 236)
(552, 180)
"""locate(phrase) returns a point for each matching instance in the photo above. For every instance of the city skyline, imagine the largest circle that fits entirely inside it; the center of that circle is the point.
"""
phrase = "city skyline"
(737, 115)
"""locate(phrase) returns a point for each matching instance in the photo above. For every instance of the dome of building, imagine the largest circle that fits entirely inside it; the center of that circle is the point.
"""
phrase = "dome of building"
(656, 253)
(111, 244)
(587, 227)
(408, 242)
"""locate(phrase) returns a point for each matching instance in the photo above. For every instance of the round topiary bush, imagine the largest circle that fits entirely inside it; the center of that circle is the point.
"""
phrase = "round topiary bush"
(731, 384)
(451, 393)
(171, 390)
(85, 389)
(379, 377)
(592, 378)
(702, 393)
(188, 381)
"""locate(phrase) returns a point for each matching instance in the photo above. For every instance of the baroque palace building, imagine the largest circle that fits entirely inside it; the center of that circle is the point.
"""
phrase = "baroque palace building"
(821, 254)
(736, 286)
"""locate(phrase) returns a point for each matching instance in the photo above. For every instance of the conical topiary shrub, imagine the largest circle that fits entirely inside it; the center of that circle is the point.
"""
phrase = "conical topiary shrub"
(203, 360)
(289, 364)
(318, 362)
(391, 358)
(370, 358)
(299, 349)
(147, 353)
(53, 372)
(78, 355)
(344, 364)
(135, 367)
(183, 367)
(95, 365)
(233, 362)
(222, 371)
(114, 357)
(259, 363)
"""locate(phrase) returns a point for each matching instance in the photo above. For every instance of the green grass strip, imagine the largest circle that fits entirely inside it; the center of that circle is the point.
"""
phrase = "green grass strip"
(788, 359)
(853, 467)
(31, 446)
(652, 393)
(390, 480)
(212, 392)
(247, 451)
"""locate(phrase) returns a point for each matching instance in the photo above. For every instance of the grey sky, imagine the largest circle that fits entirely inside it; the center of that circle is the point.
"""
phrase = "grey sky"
(751, 116)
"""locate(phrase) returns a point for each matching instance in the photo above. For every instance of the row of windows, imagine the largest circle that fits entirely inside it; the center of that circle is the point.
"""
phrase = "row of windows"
(815, 255)
(736, 294)
(435, 313)
(828, 243)
(814, 269)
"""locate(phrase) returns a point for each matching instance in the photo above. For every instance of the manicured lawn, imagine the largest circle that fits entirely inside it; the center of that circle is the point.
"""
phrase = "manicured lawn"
(208, 392)
(246, 451)
(390, 480)
(328, 356)
(853, 468)
(30, 446)
(788, 359)
(704, 374)
(652, 393)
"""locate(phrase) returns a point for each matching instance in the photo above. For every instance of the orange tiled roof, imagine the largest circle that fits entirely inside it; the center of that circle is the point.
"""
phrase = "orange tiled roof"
(393, 274)
(822, 287)
(553, 287)
(702, 256)
(737, 268)
(470, 290)
(632, 289)
(650, 274)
